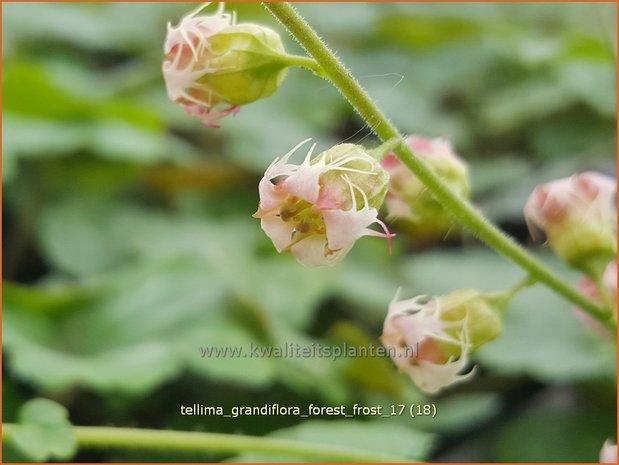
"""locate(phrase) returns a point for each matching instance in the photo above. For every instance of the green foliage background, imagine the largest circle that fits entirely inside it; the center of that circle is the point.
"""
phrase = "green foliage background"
(129, 242)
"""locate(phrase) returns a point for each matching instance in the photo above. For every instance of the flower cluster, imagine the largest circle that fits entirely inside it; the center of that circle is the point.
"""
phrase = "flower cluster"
(212, 65)
(318, 209)
(445, 330)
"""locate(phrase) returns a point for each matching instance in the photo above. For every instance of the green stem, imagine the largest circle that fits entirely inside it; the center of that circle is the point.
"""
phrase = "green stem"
(305, 62)
(460, 209)
(102, 437)
(501, 299)
(523, 284)
(385, 148)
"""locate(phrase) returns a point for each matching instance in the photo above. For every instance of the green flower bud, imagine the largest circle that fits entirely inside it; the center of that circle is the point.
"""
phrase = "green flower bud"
(410, 203)
(579, 219)
(247, 62)
(352, 166)
(431, 338)
(213, 66)
(480, 314)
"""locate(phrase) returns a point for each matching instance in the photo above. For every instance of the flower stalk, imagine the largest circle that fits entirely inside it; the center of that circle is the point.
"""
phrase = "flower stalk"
(103, 437)
(386, 147)
(463, 211)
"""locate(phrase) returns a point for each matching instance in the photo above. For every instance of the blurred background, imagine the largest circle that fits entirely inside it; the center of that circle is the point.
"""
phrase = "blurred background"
(129, 243)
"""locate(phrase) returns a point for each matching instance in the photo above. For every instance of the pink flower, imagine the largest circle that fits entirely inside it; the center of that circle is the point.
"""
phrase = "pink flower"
(185, 49)
(212, 65)
(409, 201)
(444, 331)
(318, 209)
(608, 454)
(441, 356)
(578, 217)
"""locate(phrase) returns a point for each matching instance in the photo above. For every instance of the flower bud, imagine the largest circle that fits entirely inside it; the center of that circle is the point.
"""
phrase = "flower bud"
(318, 209)
(444, 331)
(605, 293)
(608, 454)
(213, 66)
(578, 217)
(409, 201)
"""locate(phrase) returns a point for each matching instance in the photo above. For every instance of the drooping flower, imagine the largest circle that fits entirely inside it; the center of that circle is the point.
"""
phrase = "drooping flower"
(408, 200)
(608, 454)
(212, 65)
(605, 293)
(318, 209)
(431, 338)
(578, 217)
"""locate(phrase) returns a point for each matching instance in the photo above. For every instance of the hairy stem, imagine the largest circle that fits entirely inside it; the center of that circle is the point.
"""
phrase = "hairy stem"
(102, 437)
(463, 211)
(305, 62)
(385, 148)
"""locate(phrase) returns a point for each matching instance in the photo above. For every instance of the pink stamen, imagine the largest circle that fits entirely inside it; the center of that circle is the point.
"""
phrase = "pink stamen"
(209, 115)
(387, 235)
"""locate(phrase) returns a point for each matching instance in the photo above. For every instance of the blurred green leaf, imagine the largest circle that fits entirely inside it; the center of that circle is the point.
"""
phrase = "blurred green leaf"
(568, 435)
(376, 437)
(426, 33)
(301, 373)
(460, 412)
(188, 273)
(237, 370)
(594, 83)
(560, 348)
(369, 373)
(45, 300)
(510, 107)
(84, 237)
(43, 431)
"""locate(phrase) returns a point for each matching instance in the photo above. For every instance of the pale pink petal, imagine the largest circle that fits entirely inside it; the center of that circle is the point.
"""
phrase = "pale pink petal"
(345, 227)
(418, 327)
(332, 197)
(278, 231)
(415, 319)
(432, 377)
(313, 251)
(415, 304)
(605, 185)
(400, 354)
(271, 196)
(304, 183)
